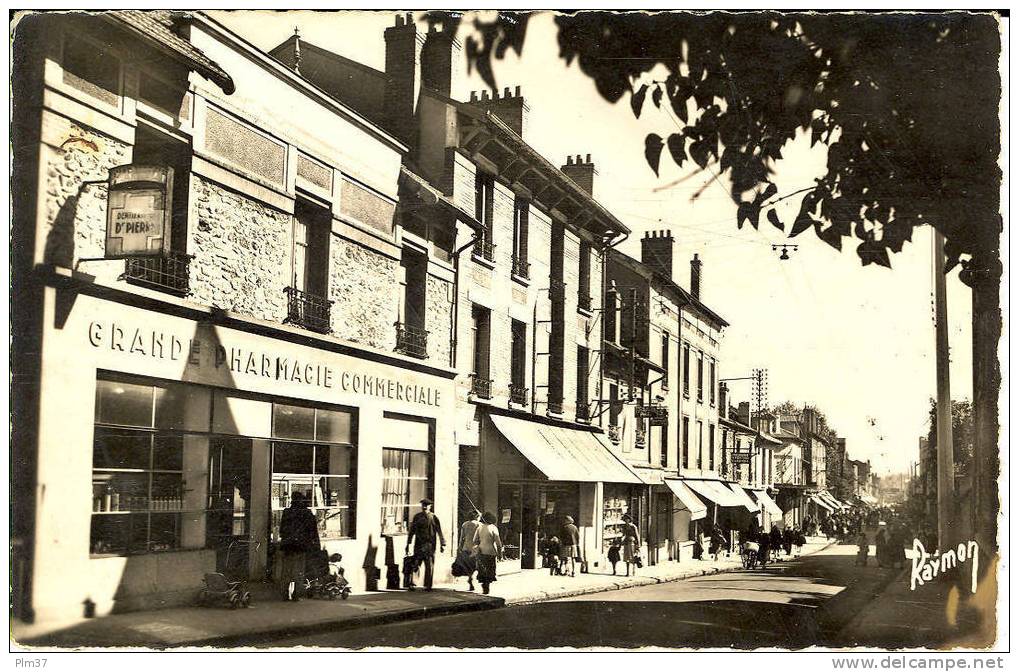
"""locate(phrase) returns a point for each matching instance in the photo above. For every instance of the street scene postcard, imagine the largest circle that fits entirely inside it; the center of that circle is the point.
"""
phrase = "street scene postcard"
(509, 330)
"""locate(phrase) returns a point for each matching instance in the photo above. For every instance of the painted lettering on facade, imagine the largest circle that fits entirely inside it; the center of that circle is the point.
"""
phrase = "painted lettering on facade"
(159, 345)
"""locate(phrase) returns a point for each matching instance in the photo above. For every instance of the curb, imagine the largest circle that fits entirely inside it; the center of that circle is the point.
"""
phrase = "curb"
(253, 637)
(637, 583)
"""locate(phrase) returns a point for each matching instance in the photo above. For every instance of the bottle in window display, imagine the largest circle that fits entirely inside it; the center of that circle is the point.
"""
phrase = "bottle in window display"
(115, 501)
(107, 499)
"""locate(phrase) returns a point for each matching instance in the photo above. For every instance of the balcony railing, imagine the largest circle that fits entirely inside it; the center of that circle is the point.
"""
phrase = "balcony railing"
(484, 248)
(555, 406)
(481, 387)
(308, 310)
(518, 394)
(583, 411)
(521, 268)
(411, 340)
(167, 274)
(615, 433)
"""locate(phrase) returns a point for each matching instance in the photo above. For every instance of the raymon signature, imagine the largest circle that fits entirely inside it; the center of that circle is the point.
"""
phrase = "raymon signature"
(926, 566)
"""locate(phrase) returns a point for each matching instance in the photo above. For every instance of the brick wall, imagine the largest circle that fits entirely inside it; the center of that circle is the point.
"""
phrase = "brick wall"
(238, 244)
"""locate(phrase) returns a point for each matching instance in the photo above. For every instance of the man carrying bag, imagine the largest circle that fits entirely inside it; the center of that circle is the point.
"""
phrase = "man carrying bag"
(424, 530)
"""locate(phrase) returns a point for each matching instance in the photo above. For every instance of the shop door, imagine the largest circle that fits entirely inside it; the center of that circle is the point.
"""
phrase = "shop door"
(229, 527)
(510, 519)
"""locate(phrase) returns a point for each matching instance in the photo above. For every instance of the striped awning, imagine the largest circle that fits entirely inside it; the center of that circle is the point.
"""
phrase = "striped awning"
(563, 453)
(715, 492)
(748, 502)
(767, 502)
(686, 497)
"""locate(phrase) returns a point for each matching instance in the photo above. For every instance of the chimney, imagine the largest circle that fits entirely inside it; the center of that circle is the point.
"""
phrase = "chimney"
(582, 172)
(509, 107)
(656, 252)
(723, 401)
(743, 412)
(695, 276)
(403, 75)
(439, 58)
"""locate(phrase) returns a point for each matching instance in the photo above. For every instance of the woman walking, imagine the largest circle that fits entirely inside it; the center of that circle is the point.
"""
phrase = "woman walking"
(466, 560)
(570, 540)
(489, 548)
(298, 538)
(631, 543)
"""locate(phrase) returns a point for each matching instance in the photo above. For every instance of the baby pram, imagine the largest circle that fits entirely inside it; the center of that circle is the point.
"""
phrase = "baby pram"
(323, 577)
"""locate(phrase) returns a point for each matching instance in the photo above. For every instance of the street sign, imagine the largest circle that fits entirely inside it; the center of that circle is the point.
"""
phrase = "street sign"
(139, 211)
(741, 458)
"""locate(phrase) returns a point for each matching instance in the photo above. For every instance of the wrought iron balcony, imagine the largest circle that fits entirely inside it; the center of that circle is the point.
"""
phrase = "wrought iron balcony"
(518, 394)
(411, 340)
(521, 267)
(555, 406)
(308, 310)
(481, 387)
(484, 248)
(615, 433)
(556, 289)
(583, 411)
(167, 274)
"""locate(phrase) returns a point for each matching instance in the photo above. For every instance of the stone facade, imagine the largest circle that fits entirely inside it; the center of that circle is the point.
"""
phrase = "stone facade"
(74, 221)
(439, 319)
(232, 240)
(365, 288)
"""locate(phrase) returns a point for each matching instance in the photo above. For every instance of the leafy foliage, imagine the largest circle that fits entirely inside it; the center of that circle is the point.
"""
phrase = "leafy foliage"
(907, 105)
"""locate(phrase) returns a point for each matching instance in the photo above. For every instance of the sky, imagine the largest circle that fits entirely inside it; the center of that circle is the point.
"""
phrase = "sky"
(858, 342)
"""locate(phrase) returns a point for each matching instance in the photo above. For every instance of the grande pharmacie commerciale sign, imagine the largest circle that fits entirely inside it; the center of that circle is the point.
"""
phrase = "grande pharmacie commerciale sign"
(139, 211)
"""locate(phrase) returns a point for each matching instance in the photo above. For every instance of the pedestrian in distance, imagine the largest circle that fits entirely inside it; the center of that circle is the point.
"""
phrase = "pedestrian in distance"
(425, 530)
(298, 539)
(775, 539)
(570, 539)
(631, 544)
(881, 544)
(864, 549)
(554, 556)
(489, 549)
(787, 540)
(466, 559)
(717, 541)
(614, 554)
(764, 541)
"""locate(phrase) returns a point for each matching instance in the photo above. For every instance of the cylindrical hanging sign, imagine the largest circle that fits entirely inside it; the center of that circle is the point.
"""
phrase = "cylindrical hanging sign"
(139, 211)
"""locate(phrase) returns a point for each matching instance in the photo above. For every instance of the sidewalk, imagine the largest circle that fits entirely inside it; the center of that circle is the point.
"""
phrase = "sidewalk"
(268, 619)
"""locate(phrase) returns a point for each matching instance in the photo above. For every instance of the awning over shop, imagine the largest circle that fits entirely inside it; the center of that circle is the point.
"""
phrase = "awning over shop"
(686, 497)
(868, 499)
(747, 500)
(564, 454)
(828, 497)
(715, 492)
(817, 499)
(767, 502)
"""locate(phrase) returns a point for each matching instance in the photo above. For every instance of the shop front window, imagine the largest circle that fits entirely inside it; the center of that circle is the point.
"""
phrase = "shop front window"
(322, 468)
(404, 484)
(142, 501)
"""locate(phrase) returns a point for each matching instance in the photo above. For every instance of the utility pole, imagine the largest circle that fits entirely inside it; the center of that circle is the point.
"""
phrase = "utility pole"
(946, 453)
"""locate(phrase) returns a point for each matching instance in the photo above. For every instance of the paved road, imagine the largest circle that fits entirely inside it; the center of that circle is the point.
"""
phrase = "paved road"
(791, 604)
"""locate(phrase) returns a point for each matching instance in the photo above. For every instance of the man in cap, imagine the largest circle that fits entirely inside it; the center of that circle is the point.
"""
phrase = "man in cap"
(424, 530)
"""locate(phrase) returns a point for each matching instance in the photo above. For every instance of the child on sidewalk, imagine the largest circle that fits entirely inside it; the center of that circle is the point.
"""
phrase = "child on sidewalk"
(614, 557)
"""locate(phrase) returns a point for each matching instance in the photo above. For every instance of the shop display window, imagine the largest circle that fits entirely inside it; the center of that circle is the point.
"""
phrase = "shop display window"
(325, 475)
(405, 483)
(138, 484)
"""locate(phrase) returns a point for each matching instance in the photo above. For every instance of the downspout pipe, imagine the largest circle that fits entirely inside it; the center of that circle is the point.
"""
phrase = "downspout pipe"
(601, 330)
(454, 331)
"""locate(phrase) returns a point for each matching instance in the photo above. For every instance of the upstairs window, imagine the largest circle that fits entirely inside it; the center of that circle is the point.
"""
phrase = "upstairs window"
(92, 69)
(711, 447)
(312, 225)
(714, 383)
(700, 444)
(584, 278)
(521, 222)
(700, 377)
(665, 360)
(484, 193)
(583, 364)
(686, 370)
(481, 319)
(411, 335)
(686, 443)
